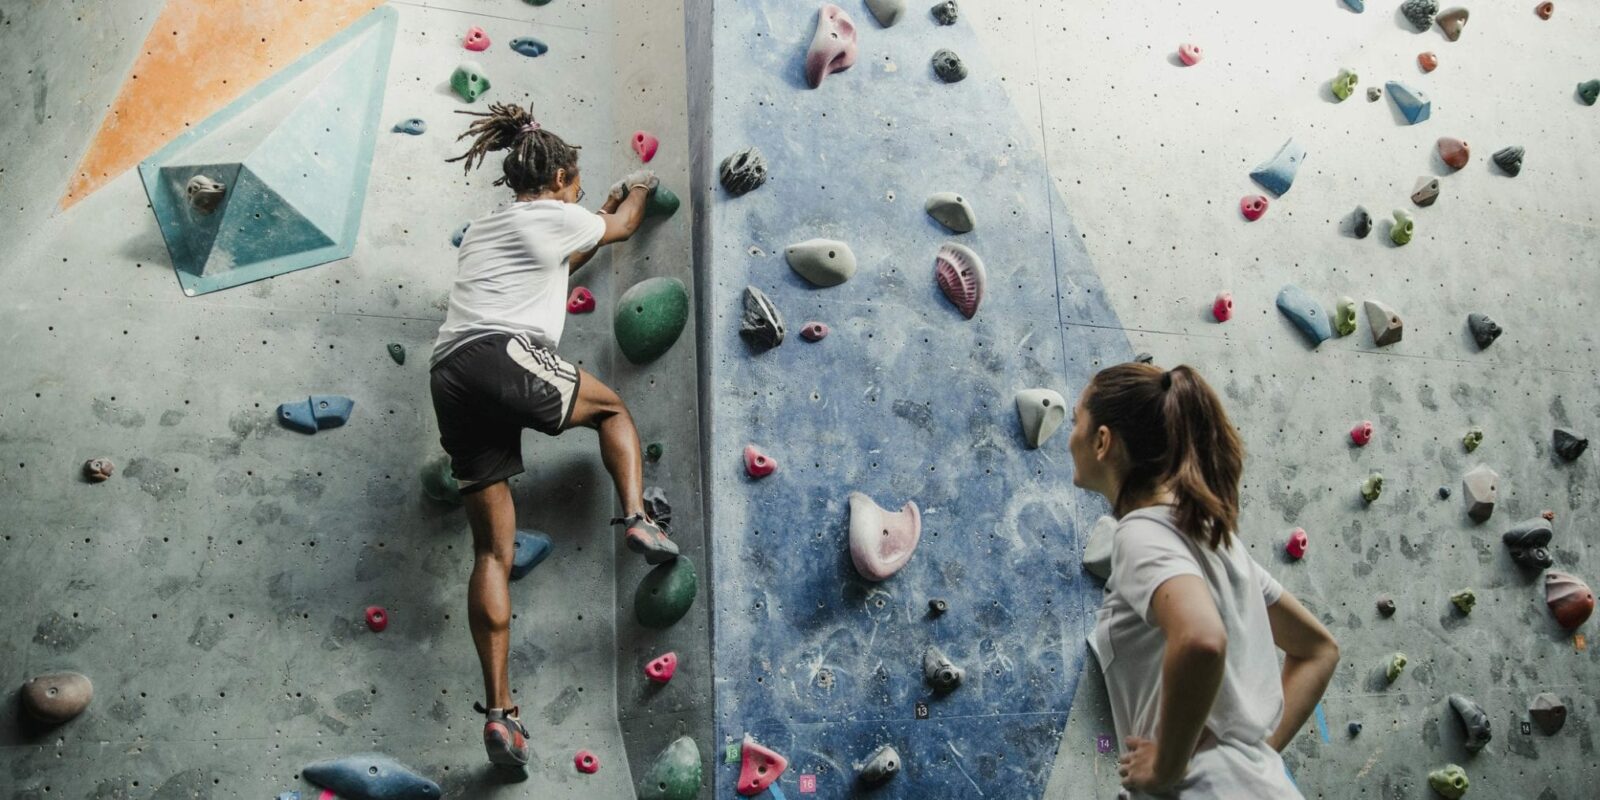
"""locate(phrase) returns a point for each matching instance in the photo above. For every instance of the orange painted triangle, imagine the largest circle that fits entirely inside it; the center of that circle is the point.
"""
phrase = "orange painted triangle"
(200, 56)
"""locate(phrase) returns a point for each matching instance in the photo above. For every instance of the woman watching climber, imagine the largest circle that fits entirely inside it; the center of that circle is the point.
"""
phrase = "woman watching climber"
(1190, 624)
(495, 372)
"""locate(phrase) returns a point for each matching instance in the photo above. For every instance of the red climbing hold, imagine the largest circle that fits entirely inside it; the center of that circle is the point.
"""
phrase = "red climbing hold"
(1569, 598)
(833, 48)
(961, 276)
(1222, 308)
(1548, 515)
(645, 145)
(1545, 10)
(476, 41)
(97, 470)
(581, 301)
(377, 618)
(1189, 54)
(758, 464)
(759, 767)
(1298, 542)
(662, 668)
(1361, 433)
(1428, 61)
(586, 762)
(814, 331)
(1252, 206)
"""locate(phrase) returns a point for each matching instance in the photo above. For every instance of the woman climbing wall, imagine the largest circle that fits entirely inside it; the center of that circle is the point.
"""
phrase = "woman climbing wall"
(1189, 626)
(495, 372)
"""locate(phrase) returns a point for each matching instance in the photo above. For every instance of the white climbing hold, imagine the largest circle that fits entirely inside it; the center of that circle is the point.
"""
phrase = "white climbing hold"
(881, 541)
(1042, 412)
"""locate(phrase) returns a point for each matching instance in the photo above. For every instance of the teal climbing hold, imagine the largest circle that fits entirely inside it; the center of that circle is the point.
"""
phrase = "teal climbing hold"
(460, 234)
(529, 549)
(675, 774)
(649, 318)
(370, 776)
(666, 593)
(661, 203)
(529, 46)
(439, 482)
(537, 2)
(1589, 91)
(1306, 314)
(317, 412)
(1413, 104)
(469, 81)
(1276, 175)
(397, 352)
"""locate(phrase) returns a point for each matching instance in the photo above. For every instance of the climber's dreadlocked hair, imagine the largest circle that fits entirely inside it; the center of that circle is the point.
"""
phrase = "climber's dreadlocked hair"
(535, 154)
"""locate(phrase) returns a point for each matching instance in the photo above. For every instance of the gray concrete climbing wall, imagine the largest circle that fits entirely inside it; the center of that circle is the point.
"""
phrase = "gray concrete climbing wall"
(214, 588)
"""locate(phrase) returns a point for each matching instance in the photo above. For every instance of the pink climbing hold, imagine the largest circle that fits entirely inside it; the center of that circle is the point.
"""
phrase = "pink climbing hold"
(1361, 433)
(587, 763)
(662, 668)
(814, 331)
(1298, 542)
(477, 41)
(377, 618)
(758, 464)
(1190, 54)
(581, 301)
(1252, 206)
(327, 794)
(759, 767)
(645, 145)
(881, 541)
(961, 277)
(1222, 308)
(833, 48)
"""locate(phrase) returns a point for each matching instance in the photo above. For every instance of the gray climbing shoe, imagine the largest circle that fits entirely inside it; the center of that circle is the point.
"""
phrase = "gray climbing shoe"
(649, 538)
(505, 739)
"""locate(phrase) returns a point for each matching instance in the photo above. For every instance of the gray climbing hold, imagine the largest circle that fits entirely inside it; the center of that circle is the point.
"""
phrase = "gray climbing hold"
(1548, 712)
(1481, 488)
(397, 352)
(1474, 722)
(1354, 728)
(1425, 192)
(1361, 223)
(57, 697)
(1386, 605)
(940, 672)
(1374, 94)
(951, 210)
(1306, 314)
(1569, 445)
(1529, 541)
(887, 12)
(823, 262)
(1384, 322)
(205, 194)
(1452, 21)
(528, 550)
(762, 324)
(317, 412)
(1042, 411)
(1484, 330)
(370, 776)
(1420, 13)
(656, 505)
(415, 126)
(1097, 550)
(1143, 358)
(1276, 175)
(1509, 159)
(938, 606)
(948, 66)
(1414, 105)
(880, 767)
(945, 13)
(1444, 493)
(743, 171)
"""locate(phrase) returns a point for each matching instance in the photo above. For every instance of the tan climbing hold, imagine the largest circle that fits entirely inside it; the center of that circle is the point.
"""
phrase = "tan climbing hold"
(1384, 322)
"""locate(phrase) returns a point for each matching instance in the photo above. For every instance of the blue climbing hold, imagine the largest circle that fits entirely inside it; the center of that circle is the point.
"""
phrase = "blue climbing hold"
(370, 776)
(461, 233)
(529, 46)
(1277, 174)
(289, 796)
(1306, 314)
(1357, 6)
(318, 412)
(531, 548)
(414, 126)
(298, 415)
(1413, 104)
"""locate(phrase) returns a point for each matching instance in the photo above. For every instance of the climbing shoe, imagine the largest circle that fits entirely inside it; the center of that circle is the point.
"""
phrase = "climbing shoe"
(504, 737)
(648, 537)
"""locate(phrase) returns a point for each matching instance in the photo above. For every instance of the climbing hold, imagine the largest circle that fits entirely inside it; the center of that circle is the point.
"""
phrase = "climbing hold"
(587, 763)
(940, 672)
(370, 776)
(758, 464)
(653, 452)
(1361, 433)
(1464, 600)
(1484, 330)
(938, 606)
(1276, 174)
(291, 795)
(1474, 722)
(661, 202)
(1414, 105)
(833, 46)
(649, 318)
(1545, 10)
(1372, 487)
(1097, 549)
(55, 698)
(439, 482)
(662, 667)
(1454, 152)
(666, 593)
(1357, 6)
(823, 262)
(528, 550)
(1569, 598)
(1451, 780)
(1452, 22)
(529, 46)
(377, 618)
(1404, 227)
(1589, 91)
(1420, 13)
(1344, 316)
(1386, 605)
(951, 210)
(316, 412)
(945, 13)
(1397, 665)
(656, 505)
(581, 301)
(1472, 438)
(1298, 542)
(1306, 314)
(1425, 192)
(961, 277)
(645, 146)
(476, 40)
(461, 233)
(1143, 358)
(1444, 493)
(1374, 94)
(1548, 515)
(97, 470)
(1548, 712)
(397, 352)
(1384, 322)
(1042, 411)
(1528, 540)
(1189, 54)
(1360, 223)
(1252, 206)
(1509, 159)
(1480, 487)
(887, 12)
(205, 194)
(1354, 728)
(1345, 83)
(743, 171)
(1427, 61)
(759, 767)
(469, 81)
(814, 331)
(675, 774)
(1222, 307)
(414, 126)
(881, 541)
(948, 66)
(761, 324)
(1569, 445)
(880, 767)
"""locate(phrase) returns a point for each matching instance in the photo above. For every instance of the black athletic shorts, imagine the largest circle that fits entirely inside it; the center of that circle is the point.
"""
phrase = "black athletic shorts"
(486, 392)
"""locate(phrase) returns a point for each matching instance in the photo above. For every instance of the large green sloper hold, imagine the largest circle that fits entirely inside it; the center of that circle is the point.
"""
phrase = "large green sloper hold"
(661, 203)
(666, 593)
(649, 318)
(675, 774)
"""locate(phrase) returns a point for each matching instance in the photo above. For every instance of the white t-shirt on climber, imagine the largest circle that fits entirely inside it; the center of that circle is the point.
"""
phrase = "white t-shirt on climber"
(1233, 759)
(511, 273)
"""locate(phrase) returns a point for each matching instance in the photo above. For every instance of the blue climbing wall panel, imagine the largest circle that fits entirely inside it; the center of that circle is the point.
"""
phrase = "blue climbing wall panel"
(905, 400)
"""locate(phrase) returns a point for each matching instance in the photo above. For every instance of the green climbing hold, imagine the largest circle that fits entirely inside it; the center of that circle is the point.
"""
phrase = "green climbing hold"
(649, 318)
(1344, 84)
(1344, 316)
(439, 482)
(1404, 228)
(1449, 781)
(1372, 487)
(1589, 91)
(1397, 665)
(397, 352)
(1472, 439)
(666, 593)
(653, 451)
(675, 774)
(661, 203)
(1464, 600)
(469, 81)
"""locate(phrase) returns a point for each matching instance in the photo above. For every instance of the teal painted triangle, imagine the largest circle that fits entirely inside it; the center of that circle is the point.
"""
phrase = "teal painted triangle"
(259, 225)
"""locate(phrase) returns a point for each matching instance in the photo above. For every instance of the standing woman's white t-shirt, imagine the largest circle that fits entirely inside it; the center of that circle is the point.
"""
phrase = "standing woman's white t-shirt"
(1233, 760)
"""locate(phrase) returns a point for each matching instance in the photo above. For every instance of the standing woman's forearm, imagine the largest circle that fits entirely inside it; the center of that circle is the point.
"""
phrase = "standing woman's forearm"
(1191, 674)
(1304, 681)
